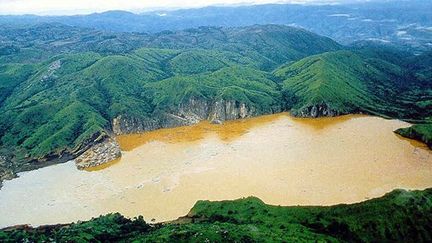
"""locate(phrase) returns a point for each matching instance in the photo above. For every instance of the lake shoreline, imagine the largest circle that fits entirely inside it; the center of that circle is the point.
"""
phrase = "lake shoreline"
(311, 162)
(10, 174)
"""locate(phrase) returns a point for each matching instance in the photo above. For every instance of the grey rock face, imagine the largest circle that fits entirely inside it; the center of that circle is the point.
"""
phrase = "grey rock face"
(316, 111)
(187, 113)
(230, 110)
(216, 122)
(124, 125)
(100, 153)
(6, 172)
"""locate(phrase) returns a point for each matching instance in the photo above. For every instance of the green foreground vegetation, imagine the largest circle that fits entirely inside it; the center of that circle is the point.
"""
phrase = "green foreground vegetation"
(399, 216)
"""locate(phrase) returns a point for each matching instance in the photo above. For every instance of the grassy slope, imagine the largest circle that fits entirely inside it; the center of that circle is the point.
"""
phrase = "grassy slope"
(400, 216)
(422, 65)
(346, 83)
(331, 78)
(242, 84)
(267, 45)
(57, 109)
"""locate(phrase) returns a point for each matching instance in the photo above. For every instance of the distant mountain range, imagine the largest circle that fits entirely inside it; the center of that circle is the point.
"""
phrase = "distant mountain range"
(405, 23)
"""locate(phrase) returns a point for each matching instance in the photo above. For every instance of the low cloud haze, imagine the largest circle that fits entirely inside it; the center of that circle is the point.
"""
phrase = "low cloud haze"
(56, 7)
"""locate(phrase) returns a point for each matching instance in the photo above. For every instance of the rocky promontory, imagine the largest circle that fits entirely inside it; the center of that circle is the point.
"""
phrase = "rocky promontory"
(100, 153)
(314, 111)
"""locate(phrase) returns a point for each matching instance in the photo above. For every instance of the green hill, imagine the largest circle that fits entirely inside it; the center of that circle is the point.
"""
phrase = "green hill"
(343, 82)
(399, 216)
(369, 80)
(267, 45)
(326, 84)
(242, 84)
(71, 99)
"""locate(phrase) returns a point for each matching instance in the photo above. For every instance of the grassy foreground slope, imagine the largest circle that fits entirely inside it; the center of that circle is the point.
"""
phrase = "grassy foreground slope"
(399, 216)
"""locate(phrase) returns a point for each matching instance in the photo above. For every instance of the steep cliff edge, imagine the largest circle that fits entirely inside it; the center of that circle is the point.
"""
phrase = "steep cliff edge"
(98, 154)
(187, 113)
(315, 111)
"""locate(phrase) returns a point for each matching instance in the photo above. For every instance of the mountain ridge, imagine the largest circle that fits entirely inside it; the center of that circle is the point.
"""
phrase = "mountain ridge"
(405, 24)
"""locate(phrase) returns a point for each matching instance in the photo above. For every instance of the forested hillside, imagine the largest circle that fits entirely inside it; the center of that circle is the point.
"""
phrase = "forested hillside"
(345, 82)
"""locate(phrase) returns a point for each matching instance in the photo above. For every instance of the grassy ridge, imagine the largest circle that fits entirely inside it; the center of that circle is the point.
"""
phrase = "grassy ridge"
(347, 83)
(335, 79)
(399, 216)
(247, 85)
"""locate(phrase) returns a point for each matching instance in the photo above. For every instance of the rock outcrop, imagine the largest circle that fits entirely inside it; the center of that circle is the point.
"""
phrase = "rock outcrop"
(127, 124)
(314, 111)
(100, 153)
(187, 113)
(6, 172)
(419, 132)
(230, 110)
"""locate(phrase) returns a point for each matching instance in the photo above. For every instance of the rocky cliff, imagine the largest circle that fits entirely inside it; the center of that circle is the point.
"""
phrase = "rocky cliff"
(317, 110)
(187, 113)
(100, 153)
(103, 148)
(6, 173)
(106, 149)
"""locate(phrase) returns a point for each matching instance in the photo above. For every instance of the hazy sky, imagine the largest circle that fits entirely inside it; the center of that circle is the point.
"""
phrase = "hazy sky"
(88, 6)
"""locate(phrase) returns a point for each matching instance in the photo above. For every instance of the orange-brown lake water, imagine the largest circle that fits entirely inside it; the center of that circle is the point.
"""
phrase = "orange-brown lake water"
(280, 159)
